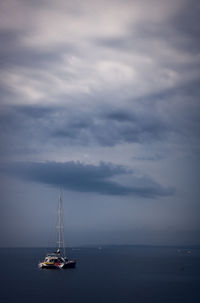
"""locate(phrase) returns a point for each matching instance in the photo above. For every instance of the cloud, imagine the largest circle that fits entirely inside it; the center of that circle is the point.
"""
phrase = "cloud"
(29, 127)
(80, 177)
(132, 49)
(127, 75)
(144, 121)
(102, 82)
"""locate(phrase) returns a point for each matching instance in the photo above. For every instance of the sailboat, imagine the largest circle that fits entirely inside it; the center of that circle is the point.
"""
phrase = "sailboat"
(58, 260)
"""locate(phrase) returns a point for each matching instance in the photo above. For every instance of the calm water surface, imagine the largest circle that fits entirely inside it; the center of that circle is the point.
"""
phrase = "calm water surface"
(111, 274)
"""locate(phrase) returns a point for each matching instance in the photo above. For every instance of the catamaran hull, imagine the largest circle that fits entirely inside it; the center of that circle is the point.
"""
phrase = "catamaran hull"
(68, 264)
(49, 266)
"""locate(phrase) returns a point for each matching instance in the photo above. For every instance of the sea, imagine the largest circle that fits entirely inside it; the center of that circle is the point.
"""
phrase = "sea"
(118, 274)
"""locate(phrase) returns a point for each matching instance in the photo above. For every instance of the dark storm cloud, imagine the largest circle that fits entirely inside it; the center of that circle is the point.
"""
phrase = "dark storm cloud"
(33, 112)
(30, 126)
(100, 82)
(79, 177)
(112, 129)
(120, 116)
(26, 126)
(149, 119)
(138, 127)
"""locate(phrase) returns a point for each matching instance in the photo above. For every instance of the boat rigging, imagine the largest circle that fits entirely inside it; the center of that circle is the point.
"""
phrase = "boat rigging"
(58, 259)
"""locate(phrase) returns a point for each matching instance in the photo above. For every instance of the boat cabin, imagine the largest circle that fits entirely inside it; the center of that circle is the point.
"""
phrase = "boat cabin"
(53, 258)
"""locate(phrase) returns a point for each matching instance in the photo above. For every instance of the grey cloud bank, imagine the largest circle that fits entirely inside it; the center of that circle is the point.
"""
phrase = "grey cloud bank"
(28, 126)
(87, 178)
(97, 96)
(64, 60)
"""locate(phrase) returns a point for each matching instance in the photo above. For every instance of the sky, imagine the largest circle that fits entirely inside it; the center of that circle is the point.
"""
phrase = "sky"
(101, 99)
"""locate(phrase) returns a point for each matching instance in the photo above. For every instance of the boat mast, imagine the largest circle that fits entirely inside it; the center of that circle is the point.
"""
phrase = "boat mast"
(60, 225)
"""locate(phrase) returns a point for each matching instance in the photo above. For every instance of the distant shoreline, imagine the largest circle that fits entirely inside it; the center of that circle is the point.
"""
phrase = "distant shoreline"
(104, 246)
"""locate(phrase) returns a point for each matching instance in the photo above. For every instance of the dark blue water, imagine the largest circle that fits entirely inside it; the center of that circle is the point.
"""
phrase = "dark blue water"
(112, 274)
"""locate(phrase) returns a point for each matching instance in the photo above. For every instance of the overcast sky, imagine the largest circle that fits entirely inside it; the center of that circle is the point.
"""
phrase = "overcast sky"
(100, 98)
